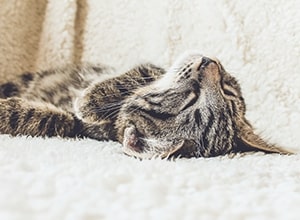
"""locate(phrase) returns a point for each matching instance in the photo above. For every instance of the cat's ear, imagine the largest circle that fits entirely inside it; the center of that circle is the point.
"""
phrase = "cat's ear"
(247, 140)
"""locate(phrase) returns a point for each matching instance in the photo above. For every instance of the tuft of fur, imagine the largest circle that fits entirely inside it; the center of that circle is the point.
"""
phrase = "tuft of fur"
(195, 109)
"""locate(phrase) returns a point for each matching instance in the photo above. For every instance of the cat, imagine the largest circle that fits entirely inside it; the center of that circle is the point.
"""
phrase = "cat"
(194, 109)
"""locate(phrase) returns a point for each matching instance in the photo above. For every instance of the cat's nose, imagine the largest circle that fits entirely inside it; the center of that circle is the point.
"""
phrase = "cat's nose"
(204, 62)
(209, 69)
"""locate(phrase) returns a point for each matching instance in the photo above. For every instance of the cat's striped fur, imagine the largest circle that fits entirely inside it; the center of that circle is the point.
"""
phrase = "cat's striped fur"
(195, 109)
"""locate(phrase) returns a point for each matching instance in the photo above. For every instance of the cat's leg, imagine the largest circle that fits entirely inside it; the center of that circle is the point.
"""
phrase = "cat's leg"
(103, 100)
(99, 104)
(21, 117)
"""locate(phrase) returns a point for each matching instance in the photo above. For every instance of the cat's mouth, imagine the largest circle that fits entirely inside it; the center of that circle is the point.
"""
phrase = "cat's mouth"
(134, 144)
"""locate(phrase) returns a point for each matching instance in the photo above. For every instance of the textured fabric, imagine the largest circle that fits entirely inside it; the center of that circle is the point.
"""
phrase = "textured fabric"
(257, 41)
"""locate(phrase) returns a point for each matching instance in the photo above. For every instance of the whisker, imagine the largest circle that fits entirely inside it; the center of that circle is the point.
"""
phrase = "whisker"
(135, 109)
(117, 95)
(112, 114)
(106, 108)
(118, 102)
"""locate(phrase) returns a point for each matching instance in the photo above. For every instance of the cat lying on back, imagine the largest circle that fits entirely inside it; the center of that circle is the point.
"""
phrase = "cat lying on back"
(195, 109)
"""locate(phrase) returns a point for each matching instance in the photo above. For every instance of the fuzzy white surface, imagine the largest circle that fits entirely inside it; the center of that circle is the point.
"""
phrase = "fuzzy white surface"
(67, 179)
(257, 41)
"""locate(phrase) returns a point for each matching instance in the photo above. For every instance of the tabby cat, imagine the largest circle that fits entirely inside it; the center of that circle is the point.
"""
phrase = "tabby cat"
(195, 109)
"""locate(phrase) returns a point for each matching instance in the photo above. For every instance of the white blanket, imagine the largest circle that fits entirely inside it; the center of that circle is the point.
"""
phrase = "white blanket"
(257, 41)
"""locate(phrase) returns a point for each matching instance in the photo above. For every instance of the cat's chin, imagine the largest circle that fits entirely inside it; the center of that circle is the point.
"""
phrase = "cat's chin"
(145, 148)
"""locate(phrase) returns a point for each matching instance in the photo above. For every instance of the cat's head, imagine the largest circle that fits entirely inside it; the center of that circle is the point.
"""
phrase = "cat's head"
(195, 110)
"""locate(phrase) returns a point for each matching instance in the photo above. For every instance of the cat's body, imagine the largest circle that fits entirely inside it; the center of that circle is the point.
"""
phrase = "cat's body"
(195, 109)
